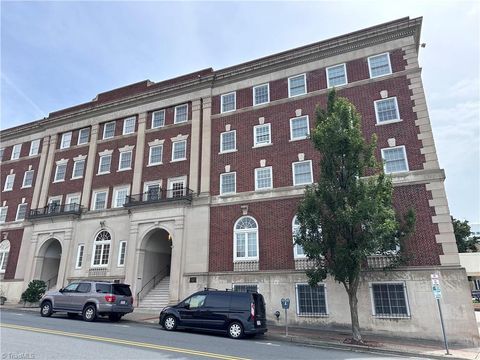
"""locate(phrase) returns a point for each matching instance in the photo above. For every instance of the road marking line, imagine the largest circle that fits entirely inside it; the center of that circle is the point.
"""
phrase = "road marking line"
(121, 325)
(266, 343)
(18, 314)
(122, 342)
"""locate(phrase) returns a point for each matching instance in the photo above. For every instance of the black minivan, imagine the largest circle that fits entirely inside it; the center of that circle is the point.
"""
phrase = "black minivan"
(233, 312)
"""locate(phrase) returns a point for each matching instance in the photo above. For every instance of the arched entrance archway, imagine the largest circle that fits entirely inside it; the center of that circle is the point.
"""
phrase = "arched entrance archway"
(49, 262)
(157, 255)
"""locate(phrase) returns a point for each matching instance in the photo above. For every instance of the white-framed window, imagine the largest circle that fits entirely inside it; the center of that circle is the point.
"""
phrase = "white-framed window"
(9, 181)
(54, 204)
(78, 169)
(66, 140)
(21, 212)
(121, 253)
(155, 155)
(3, 214)
(152, 191)
(101, 249)
(125, 160)
(83, 136)
(394, 159)
(261, 94)
(181, 114)
(179, 150)
(298, 252)
(379, 65)
(177, 187)
(73, 202)
(17, 149)
(262, 135)
(34, 147)
(386, 111)
(336, 75)
(2, 152)
(302, 172)
(228, 183)
(104, 164)
(228, 102)
(245, 239)
(28, 178)
(158, 119)
(99, 201)
(297, 85)
(4, 252)
(311, 301)
(299, 128)
(79, 260)
(389, 299)
(129, 125)
(245, 287)
(120, 196)
(109, 130)
(263, 178)
(228, 141)
(60, 172)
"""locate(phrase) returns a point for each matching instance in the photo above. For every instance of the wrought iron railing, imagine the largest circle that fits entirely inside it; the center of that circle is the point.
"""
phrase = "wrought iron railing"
(55, 210)
(150, 284)
(50, 283)
(158, 196)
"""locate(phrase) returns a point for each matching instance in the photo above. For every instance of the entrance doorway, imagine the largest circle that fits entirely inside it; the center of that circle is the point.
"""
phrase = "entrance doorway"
(50, 254)
(157, 258)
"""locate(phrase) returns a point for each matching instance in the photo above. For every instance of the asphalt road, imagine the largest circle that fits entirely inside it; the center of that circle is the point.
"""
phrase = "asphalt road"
(26, 335)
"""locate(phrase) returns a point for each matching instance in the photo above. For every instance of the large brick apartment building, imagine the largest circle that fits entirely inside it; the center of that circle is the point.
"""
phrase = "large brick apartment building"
(194, 182)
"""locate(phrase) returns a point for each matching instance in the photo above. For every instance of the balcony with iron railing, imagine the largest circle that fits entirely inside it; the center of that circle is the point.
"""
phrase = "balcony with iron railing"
(159, 196)
(55, 210)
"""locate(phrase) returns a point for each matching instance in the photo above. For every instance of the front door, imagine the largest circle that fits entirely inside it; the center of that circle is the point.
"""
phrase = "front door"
(79, 297)
(64, 299)
(190, 310)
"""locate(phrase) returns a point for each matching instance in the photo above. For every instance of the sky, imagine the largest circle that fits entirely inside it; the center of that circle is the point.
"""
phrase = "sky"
(62, 53)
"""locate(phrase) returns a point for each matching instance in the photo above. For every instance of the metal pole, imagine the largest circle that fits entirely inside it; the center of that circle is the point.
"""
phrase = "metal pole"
(286, 323)
(443, 327)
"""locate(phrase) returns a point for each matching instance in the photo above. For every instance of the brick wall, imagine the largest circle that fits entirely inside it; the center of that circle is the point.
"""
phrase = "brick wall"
(15, 238)
(275, 217)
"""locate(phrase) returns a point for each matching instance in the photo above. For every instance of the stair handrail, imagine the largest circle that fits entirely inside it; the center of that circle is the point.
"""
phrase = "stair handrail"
(152, 283)
(49, 280)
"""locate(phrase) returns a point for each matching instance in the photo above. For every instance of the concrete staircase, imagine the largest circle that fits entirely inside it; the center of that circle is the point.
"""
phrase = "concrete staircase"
(157, 298)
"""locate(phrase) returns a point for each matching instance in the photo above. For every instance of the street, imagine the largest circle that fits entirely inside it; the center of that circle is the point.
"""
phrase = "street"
(26, 335)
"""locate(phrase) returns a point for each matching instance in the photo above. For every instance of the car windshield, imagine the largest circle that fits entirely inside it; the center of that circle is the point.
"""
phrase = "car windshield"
(122, 289)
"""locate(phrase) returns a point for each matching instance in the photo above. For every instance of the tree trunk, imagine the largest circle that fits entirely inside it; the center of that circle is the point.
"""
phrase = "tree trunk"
(352, 299)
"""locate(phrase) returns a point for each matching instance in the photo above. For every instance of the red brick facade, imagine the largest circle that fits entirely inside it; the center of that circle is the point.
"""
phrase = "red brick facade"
(14, 236)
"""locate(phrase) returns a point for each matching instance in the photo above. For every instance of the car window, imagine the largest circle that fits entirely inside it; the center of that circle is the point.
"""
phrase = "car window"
(240, 301)
(217, 300)
(121, 289)
(84, 288)
(71, 287)
(196, 301)
(104, 288)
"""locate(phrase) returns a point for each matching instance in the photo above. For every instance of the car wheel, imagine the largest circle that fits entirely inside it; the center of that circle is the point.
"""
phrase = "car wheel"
(235, 330)
(72, 315)
(170, 323)
(90, 313)
(46, 309)
(114, 317)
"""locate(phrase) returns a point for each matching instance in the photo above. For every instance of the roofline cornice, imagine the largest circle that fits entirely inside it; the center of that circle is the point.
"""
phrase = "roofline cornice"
(396, 29)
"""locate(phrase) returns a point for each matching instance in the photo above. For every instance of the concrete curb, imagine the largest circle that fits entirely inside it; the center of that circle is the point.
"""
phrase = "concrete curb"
(355, 348)
(301, 340)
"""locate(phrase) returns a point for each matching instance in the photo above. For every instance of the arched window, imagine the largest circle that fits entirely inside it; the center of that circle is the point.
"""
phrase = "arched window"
(298, 252)
(101, 248)
(4, 250)
(246, 239)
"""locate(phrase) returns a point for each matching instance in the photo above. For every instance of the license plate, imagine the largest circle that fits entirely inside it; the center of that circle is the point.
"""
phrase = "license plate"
(259, 322)
(123, 302)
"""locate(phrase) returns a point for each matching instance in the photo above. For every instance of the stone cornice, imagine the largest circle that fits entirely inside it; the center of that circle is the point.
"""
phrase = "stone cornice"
(396, 29)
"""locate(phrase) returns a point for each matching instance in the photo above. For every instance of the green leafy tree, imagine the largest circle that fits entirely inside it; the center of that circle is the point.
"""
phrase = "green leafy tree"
(465, 241)
(34, 291)
(348, 216)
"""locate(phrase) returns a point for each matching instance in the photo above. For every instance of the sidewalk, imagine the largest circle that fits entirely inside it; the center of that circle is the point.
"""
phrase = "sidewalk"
(333, 339)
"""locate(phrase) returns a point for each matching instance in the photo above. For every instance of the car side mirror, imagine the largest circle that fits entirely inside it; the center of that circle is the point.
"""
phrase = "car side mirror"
(61, 290)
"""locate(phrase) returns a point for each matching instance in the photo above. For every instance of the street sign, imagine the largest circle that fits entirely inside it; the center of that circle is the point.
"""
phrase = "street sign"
(437, 293)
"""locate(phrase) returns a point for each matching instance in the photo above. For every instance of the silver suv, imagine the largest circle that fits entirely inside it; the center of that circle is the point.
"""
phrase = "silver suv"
(89, 299)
